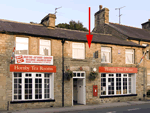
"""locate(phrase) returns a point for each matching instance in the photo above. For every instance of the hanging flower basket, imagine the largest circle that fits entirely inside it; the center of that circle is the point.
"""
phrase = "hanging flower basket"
(93, 75)
(68, 74)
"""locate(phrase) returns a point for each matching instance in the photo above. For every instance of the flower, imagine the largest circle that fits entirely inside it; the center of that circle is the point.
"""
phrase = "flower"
(68, 74)
(93, 75)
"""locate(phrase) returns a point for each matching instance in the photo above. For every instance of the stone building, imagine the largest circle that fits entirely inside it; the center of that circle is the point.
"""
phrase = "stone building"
(43, 53)
(128, 33)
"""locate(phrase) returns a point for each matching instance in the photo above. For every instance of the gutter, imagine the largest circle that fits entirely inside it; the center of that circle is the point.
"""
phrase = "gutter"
(63, 41)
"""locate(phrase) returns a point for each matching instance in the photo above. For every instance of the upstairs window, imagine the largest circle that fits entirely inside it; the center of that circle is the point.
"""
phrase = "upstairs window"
(22, 46)
(105, 55)
(78, 50)
(45, 47)
(129, 56)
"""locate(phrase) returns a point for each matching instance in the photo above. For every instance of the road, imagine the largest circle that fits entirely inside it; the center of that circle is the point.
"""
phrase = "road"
(143, 108)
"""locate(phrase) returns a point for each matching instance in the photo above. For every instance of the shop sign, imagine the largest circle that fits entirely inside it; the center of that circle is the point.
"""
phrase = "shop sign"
(33, 59)
(117, 70)
(32, 68)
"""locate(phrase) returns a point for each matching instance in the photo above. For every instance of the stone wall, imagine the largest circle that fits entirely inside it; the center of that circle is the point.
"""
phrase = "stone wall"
(7, 43)
(118, 60)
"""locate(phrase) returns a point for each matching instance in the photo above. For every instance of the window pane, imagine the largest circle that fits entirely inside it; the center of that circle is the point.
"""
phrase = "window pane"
(44, 47)
(46, 87)
(44, 50)
(124, 85)
(82, 74)
(110, 86)
(38, 88)
(21, 45)
(78, 50)
(74, 74)
(118, 85)
(28, 87)
(118, 74)
(78, 74)
(15, 81)
(129, 58)
(103, 75)
(103, 86)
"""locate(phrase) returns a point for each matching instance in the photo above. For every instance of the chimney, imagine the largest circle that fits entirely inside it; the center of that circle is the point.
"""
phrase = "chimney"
(146, 25)
(101, 18)
(100, 7)
(49, 21)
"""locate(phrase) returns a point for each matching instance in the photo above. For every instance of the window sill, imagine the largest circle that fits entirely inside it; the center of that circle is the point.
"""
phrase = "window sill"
(31, 101)
(73, 59)
(129, 63)
(106, 62)
(118, 96)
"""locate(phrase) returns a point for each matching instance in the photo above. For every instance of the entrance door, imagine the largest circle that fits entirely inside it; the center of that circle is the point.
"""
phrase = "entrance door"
(80, 90)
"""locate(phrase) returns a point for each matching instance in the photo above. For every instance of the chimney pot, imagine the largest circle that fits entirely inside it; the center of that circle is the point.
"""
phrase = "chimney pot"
(148, 19)
(100, 7)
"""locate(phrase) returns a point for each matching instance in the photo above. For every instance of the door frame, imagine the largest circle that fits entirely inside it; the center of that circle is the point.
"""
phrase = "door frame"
(84, 79)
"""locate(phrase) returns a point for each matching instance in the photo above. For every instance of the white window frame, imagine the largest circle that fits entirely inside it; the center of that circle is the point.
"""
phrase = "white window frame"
(108, 50)
(128, 51)
(77, 47)
(51, 88)
(76, 72)
(49, 46)
(22, 43)
(133, 83)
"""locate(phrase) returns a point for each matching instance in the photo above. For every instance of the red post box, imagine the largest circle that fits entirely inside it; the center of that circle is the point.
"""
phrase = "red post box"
(95, 91)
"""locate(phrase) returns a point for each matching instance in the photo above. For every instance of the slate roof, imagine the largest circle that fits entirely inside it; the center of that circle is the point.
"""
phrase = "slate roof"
(60, 33)
(132, 32)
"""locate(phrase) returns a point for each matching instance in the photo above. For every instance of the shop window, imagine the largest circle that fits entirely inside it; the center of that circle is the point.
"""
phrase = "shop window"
(45, 47)
(22, 46)
(117, 84)
(129, 56)
(34, 87)
(105, 55)
(78, 50)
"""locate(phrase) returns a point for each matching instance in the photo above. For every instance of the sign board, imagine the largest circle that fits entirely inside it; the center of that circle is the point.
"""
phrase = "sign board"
(33, 59)
(117, 70)
(32, 68)
(119, 51)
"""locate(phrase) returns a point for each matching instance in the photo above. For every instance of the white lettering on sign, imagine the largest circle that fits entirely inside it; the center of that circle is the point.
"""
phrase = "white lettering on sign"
(33, 59)
(21, 68)
(110, 69)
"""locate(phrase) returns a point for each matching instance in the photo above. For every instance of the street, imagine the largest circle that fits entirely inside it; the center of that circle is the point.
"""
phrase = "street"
(145, 108)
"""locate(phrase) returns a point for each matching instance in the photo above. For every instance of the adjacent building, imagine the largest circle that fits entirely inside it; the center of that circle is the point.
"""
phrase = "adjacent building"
(129, 33)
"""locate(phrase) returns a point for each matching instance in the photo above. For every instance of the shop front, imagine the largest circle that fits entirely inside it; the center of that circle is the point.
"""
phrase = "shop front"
(32, 79)
(117, 81)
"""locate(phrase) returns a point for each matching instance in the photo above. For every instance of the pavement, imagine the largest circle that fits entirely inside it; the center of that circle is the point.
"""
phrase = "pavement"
(78, 107)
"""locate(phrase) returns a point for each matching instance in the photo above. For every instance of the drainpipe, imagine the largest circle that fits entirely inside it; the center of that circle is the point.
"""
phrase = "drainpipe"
(63, 41)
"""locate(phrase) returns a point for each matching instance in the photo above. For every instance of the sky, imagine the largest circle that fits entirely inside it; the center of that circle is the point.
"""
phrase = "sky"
(134, 13)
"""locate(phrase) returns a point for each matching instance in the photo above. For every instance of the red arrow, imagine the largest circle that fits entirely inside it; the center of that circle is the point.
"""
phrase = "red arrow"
(89, 36)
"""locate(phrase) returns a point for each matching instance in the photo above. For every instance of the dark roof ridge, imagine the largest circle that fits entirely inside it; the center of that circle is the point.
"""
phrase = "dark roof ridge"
(20, 22)
(81, 31)
(125, 25)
